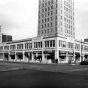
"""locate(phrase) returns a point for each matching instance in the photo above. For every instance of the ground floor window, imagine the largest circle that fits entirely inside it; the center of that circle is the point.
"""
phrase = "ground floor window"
(77, 56)
(6, 56)
(86, 57)
(62, 55)
(62, 58)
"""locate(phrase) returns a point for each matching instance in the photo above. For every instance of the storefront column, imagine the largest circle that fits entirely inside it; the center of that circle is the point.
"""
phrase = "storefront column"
(43, 58)
(3, 56)
(83, 57)
(23, 56)
(74, 56)
(80, 57)
(32, 57)
(15, 57)
(67, 56)
(9, 57)
(57, 55)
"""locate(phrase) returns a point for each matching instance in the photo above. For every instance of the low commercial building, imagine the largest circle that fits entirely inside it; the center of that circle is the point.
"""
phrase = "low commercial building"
(55, 41)
(45, 50)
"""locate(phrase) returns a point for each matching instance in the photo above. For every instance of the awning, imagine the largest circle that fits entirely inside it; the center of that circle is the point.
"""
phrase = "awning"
(12, 53)
(48, 52)
(70, 53)
(38, 52)
(19, 53)
(62, 53)
(6, 53)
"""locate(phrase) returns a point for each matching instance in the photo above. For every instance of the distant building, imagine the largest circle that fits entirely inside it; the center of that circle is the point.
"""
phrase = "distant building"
(86, 40)
(6, 38)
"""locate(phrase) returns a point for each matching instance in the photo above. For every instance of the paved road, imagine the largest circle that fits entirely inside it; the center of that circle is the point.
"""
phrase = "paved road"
(42, 76)
(41, 79)
(47, 67)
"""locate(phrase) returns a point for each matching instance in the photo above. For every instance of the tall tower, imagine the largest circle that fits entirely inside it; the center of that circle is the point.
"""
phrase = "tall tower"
(56, 17)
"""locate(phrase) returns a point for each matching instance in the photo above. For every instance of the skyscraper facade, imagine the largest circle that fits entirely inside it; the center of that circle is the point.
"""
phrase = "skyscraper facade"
(56, 17)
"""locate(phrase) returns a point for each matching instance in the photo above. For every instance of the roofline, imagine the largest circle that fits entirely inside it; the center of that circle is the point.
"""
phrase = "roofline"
(17, 41)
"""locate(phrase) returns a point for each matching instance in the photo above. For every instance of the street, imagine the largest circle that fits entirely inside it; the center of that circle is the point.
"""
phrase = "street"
(23, 75)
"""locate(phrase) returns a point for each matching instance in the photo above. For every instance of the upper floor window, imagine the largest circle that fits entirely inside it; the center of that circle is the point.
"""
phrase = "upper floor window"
(19, 46)
(51, 1)
(62, 43)
(77, 46)
(12, 47)
(28, 45)
(50, 43)
(37, 44)
(6, 47)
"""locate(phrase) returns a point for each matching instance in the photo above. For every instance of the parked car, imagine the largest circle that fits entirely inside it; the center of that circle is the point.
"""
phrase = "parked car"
(84, 62)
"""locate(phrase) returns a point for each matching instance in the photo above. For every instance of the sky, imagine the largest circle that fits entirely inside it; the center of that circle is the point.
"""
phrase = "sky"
(19, 18)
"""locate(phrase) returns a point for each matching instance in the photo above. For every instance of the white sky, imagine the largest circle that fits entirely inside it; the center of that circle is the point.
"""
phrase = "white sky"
(19, 18)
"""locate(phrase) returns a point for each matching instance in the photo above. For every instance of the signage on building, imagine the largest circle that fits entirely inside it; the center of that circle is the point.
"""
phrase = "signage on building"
(39, 52)
(48, 52)
(12, 53)
(62, 53)
(70, 40)
(70, 53)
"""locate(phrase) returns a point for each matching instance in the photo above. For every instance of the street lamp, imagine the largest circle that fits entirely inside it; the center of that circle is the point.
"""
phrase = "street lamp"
(81, 49)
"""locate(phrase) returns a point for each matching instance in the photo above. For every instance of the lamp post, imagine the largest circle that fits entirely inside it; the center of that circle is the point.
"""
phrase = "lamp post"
(81, 51)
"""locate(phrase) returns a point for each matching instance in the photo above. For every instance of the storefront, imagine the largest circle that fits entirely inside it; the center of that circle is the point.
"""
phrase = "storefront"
(62, 55)
(12, 55)
(71, 55)
(19, 56)
(28, 55)
(86, 56)
(37, 55)
(77, 56)
(49, 56)
(6, 56)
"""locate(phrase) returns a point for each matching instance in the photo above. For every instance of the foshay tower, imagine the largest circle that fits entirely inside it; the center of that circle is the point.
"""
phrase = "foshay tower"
(56, 17)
